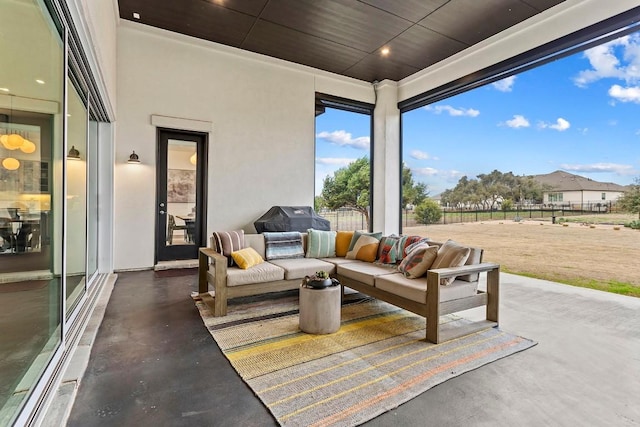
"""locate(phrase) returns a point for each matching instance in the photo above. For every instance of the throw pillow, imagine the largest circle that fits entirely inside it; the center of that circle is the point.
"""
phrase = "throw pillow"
(418, 261)
(343, 240)
(226, 242)
(246, 258)
(388, 250)
(321, 244)
(364, 246)
(283, 245)
(450, 254)
(357, 234)
(405, 242)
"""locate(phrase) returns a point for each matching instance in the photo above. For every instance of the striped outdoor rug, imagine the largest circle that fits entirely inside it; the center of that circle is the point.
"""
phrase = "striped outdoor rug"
(378, 359)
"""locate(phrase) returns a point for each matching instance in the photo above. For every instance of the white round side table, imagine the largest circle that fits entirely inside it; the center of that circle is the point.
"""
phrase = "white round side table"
(320, 309)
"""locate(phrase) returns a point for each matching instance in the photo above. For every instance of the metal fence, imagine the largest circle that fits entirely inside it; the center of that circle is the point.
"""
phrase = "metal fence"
(346, 219)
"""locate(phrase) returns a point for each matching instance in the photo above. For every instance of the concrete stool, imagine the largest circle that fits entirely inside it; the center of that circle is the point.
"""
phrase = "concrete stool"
(320, 309)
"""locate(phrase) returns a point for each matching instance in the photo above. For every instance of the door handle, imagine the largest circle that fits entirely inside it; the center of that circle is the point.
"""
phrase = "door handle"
(161, 212)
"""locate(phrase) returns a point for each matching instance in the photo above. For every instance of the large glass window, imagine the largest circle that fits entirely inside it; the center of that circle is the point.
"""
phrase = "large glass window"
(551, 135)
(31, 117)
(343, 167)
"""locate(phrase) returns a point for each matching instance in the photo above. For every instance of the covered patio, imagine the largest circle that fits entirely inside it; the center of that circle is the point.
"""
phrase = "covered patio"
(154, 363)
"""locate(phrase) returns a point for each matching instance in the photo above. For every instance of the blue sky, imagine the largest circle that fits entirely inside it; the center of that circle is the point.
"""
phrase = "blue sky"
(580, 114)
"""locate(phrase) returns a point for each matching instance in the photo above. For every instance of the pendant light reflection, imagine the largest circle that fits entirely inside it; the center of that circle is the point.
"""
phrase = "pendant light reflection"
(10, 163)
(194, 159)
(28, 147)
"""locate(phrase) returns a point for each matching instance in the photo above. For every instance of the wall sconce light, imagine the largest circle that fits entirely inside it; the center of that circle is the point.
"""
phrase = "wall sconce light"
(74, 154)
(133, 158)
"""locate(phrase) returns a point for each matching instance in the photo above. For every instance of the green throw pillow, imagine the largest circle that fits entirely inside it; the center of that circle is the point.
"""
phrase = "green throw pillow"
(321, 244)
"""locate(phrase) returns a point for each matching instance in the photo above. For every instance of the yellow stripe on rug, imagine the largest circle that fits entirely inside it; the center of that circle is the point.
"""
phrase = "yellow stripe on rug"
(278, 353)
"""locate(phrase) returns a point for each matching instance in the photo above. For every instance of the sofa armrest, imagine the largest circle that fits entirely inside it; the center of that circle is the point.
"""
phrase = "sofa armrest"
(208, 256)
(435, 308)
(445, 273)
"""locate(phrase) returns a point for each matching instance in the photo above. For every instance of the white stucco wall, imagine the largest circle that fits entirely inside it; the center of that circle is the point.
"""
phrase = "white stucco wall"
(261, 147)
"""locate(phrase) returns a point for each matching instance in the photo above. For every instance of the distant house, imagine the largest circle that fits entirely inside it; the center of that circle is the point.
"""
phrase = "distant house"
(566, 189)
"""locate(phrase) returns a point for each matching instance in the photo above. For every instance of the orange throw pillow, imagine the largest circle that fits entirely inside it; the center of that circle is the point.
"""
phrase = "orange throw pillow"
(343, 240)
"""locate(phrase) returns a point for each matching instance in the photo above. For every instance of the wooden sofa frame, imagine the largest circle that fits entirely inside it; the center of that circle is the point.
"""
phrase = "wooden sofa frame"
(218, 303)
(433, 308)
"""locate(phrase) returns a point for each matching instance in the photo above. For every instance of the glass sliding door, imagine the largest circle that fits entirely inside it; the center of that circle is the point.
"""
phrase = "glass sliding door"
(92, 200)
(76, 229)
(31, 199)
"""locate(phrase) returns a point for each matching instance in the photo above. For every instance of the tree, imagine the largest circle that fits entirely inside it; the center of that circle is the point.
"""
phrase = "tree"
(428, 212)
(318, 203)
(485, 191)
(630, 200)
(349, 188)
(412, 193)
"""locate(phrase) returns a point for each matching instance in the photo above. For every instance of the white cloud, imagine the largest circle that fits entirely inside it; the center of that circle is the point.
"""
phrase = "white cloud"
(419, 155)
(505, 85)
(518, 121)
(619, 59)
(344, 138)
(456, 112)
(425, 171)
(625, 94)
(560, 125)
(600, 168)
(334, 161)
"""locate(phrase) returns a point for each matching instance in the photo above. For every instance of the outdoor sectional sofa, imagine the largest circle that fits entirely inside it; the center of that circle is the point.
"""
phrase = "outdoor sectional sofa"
(427, 295)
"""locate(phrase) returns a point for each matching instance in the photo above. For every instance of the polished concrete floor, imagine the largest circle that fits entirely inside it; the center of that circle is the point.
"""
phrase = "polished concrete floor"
(154, 363)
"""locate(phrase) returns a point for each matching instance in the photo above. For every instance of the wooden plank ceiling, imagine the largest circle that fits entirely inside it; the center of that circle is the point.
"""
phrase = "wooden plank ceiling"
(342, 36)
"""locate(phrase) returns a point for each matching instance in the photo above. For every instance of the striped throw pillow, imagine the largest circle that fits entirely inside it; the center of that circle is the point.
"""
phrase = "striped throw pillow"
(283, 245)
(450, 254)
(321, 244)
(226, 242)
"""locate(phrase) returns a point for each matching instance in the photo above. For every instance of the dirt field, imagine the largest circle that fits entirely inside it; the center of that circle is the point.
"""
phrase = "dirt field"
(572, 253)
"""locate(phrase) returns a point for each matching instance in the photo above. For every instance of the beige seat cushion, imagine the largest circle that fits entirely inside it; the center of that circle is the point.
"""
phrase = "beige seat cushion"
(416, 289)
(364, 272)
(298, 268)
(339, 260)
(265, 272)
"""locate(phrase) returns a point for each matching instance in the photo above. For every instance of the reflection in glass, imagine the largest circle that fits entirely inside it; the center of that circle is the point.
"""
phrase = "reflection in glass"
(181, 192)
(31, 118)
(76, 236)
(92, 200)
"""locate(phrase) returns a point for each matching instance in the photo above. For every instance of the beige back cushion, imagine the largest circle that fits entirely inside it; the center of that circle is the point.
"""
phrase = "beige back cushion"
(450, 254)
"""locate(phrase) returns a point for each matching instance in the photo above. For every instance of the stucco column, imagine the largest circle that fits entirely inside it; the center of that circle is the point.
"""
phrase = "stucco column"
(386, 159)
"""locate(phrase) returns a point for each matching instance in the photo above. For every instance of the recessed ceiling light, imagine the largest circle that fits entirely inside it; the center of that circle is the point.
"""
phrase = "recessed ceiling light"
(40, 81)
(136, 15)
(385, 51)
(4, 89)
